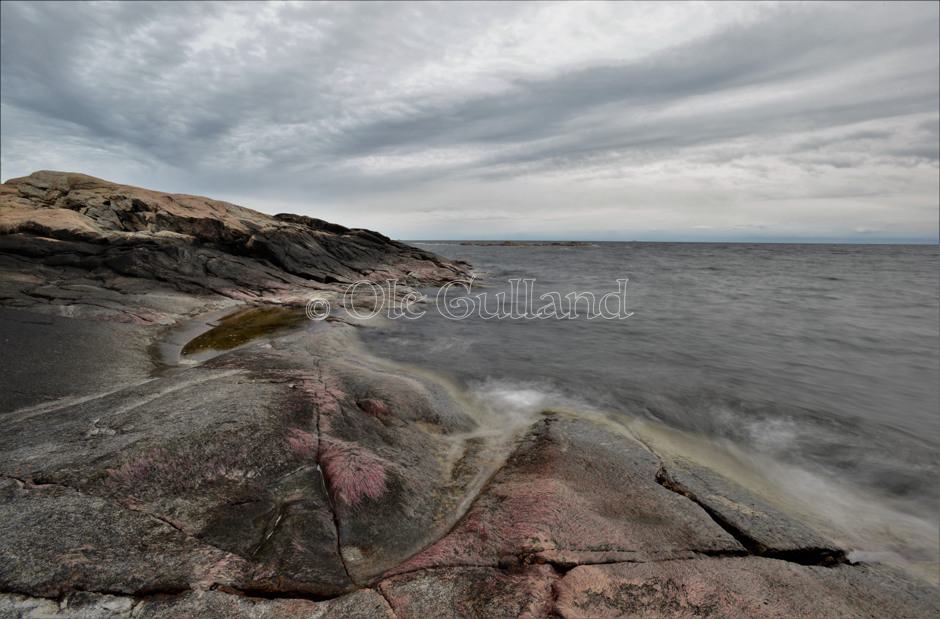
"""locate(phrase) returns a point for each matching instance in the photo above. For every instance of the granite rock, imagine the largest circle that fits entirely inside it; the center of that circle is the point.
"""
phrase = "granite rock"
(740, 587)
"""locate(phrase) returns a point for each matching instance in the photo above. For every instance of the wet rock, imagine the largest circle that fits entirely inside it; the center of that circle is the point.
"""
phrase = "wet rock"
(478, 592)
(395, 458)
(740, 587)
(572, 493)
(762, 528)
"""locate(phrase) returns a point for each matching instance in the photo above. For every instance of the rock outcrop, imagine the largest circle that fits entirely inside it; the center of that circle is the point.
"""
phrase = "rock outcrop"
(271, 467)
(62, 230)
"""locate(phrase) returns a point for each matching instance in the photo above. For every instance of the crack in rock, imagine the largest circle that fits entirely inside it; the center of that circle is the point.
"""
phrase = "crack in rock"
(801, 556)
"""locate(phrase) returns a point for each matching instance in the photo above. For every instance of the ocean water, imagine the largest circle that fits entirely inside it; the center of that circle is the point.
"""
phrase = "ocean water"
(815, 368)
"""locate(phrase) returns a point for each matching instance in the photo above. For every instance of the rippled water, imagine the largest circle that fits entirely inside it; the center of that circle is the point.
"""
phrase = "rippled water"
(818, 360)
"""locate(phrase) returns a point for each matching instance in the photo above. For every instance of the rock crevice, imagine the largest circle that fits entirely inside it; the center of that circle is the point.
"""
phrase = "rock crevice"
(763, 535)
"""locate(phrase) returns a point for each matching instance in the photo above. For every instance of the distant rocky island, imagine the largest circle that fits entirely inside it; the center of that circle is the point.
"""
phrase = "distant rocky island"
(528, 243)
(178, 439)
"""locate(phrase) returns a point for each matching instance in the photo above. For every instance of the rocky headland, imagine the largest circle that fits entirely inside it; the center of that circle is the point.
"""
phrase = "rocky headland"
(177, 439)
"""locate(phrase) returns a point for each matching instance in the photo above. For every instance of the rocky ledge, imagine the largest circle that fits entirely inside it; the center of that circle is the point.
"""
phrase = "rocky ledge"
(93, 232)
(292, 474)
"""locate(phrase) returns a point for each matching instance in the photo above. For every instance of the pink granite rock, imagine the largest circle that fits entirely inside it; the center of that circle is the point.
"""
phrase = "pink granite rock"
(576, 493)
(740, 587)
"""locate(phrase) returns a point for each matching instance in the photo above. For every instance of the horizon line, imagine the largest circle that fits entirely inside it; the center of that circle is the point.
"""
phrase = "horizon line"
(724, 242)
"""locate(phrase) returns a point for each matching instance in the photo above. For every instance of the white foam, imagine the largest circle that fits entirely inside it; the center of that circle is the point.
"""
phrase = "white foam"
(773, 434)
(513, 405)
(871, 526)
(525, 397)
(861, 519)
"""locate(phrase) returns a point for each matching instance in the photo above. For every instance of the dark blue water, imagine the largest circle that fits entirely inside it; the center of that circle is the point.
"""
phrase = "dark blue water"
(823, 359)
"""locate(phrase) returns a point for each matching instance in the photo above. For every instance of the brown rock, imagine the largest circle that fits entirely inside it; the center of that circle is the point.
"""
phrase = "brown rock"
(192, 244)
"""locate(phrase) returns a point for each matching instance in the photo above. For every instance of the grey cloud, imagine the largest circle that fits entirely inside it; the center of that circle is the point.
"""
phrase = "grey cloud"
(792, 46)
(300, 96)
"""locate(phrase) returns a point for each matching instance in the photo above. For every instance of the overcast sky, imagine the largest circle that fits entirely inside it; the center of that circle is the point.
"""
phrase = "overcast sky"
(578, 120)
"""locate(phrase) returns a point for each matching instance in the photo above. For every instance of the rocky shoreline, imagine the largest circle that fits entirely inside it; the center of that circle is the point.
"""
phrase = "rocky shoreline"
(294, 474)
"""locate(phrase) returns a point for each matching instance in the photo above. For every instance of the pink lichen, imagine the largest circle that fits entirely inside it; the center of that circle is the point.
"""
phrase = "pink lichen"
(374, 408)
(382, 275)
(352, 473)
(302, 444)
(213, 467)
(155, 467)
(519, 516)
(324, 394)
(216, 567)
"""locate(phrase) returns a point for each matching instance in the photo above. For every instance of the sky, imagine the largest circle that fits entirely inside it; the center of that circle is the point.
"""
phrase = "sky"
(812, 122)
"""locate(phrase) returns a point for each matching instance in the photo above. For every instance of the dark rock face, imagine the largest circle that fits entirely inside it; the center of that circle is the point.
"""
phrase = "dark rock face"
(47, 357)
(58, 540)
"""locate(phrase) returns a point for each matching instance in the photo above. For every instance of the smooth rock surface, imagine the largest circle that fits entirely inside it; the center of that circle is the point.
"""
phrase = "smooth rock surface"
(740, 587)
(576, 493)
(478, 592)
(762, 528)
(265, 453)
(56, 540)
(47, 357)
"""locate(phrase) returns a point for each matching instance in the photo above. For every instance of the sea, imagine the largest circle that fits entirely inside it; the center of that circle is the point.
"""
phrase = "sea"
(809, 372)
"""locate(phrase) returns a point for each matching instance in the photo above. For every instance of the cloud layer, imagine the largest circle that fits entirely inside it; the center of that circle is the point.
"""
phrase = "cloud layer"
(497, 120)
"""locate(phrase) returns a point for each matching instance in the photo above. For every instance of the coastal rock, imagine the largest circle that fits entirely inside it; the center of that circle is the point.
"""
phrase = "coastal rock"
(48, 357)
(740, 587)
(55, 540)
(478, 592)
(176, 450)
(363, 604)
(106, 233)
(264, 455)
(762, 528)
(261, 464)
(572, 493)
(398, 455)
